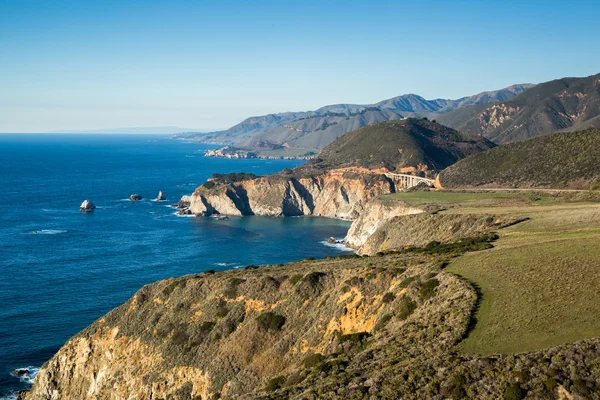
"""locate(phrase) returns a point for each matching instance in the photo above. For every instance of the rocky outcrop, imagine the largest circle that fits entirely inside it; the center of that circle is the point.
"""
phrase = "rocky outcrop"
(135, 197)
(393, 225)
(418, 230)
(87, 206)
(161, 196)
(377, 212)
(335, 194)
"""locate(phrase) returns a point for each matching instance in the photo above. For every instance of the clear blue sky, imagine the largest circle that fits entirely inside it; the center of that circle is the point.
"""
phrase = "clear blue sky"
(210, 64)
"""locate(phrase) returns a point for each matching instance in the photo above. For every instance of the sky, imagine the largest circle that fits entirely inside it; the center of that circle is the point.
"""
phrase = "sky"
(75, 65)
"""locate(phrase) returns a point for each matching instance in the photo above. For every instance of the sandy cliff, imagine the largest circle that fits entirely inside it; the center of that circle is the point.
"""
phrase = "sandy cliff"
(335, 194)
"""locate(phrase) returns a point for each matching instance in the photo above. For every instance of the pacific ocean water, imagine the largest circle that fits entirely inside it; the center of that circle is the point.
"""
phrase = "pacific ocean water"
(61, 269)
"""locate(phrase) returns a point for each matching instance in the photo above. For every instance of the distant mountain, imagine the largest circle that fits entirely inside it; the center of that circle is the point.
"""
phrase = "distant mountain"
(313, 130)
(567, 104)
(148, 130)
(409, 145)
(561, 160)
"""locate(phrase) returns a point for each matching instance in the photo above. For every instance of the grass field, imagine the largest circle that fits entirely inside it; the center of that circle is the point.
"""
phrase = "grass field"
(540, 285)
(466, 198)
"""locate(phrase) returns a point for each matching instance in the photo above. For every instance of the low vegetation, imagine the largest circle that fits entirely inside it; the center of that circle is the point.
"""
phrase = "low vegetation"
(397, 145)
(567, 160)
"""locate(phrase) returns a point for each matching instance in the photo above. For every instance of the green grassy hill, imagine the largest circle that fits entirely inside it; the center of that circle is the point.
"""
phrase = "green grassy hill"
(568, 104)
(396, 145)
(563, 160)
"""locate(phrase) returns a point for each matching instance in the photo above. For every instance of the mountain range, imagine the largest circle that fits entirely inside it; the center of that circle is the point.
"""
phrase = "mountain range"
(313, 130)
(568, 104)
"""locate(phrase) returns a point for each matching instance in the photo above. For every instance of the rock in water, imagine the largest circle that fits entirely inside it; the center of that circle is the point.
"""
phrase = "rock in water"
(161, 196)
(332, 240)
(21, 371)
(135, 197)
(87, 206)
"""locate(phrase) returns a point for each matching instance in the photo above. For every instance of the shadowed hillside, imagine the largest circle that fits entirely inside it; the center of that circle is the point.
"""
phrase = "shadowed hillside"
(562, 160)
(409, 145)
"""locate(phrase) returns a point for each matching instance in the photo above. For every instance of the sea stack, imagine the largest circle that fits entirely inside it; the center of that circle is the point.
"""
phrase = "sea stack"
(161, 196)
(87, 206)
(135, 197)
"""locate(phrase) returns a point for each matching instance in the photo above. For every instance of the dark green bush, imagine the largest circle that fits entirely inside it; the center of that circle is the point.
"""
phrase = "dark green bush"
(388, 297)
(275, 383)
(207, 326)
(232, 177)
(514, 392)
(407, 281)
(357, 338)
(209, 184)
(382, 322)
(295, 279)
(269, 321)
(405, 308)
(428, 289)
(313, 360)
(231, 290)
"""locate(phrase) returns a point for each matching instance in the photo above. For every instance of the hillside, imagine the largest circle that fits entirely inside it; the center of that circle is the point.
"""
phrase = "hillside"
(497, 314)
(313, 130)
(402, 146)
(568, 104)
(562, 160)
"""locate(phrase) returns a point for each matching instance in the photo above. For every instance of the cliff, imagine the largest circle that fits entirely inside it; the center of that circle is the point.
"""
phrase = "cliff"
(337, 194)
(346, 328)
(241, 334)
(387, 225)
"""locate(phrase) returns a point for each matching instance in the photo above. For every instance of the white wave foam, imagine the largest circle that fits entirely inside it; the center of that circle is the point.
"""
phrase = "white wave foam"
(48, 232)
(28, 374)
(337, 246)
(184, 215)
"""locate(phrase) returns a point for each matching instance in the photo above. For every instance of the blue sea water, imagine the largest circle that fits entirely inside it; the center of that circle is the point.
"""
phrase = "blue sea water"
(61, 269)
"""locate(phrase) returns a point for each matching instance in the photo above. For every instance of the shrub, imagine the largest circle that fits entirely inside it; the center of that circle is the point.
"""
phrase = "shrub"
(357, 338)
(428, 289)
(295, 279)
(171, 286)
(207, 326)
(269, 321)
(405, 308)
(209, 184)
(231, 290)
(550, 384)
(275, 383)
(388, 297)
(514, 392)
(382, 322)
(407, 281)
(232, 177)
(313, 360)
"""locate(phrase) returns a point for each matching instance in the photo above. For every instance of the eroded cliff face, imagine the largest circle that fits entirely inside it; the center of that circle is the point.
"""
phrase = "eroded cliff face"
(388, 224)
(335, 194)
(227, 335)
(376, 213)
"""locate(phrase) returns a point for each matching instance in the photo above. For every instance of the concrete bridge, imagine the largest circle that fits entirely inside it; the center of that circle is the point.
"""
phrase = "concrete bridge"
(404, 181)
(407, 181)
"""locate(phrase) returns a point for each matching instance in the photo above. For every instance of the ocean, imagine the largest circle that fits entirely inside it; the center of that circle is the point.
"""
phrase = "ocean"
(61, 269)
